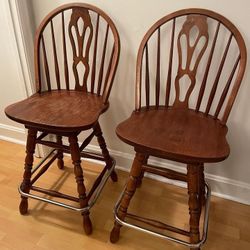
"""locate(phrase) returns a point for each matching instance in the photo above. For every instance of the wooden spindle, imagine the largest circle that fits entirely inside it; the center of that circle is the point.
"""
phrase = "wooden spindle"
(204, 81)
(158, 69)
(66, 70)
(226, 89)
(212, 93)
(102, 61)
(38, 67)
(169, 77)
(55, 56)
(94, 55)
(147, 86)
(46, 67)
(108, 69)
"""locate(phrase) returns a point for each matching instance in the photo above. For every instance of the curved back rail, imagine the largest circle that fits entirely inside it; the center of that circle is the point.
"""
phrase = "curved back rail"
(77, 47)
(191, 59)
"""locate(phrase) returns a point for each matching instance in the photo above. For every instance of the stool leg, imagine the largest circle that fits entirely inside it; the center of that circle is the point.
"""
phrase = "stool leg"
(131, 185)
(139, 182)
(105, 152)
(202, 198)
(202, 185)
(76, 158)
(193, 176)
(25, 186)
(60, 162)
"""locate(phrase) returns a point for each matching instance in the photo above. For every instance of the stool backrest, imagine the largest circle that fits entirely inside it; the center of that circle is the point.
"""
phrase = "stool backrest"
(76, 47)
(191, 59)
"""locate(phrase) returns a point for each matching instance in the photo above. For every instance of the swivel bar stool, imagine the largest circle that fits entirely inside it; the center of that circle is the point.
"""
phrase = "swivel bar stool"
(76, 55)
(189, 69)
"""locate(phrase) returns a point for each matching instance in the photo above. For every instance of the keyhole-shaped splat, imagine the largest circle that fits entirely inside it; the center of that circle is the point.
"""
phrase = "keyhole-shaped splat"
(185, 82)
(195, 32)
(80, 71)
(193, 35)
(80, 22)
(80, 25)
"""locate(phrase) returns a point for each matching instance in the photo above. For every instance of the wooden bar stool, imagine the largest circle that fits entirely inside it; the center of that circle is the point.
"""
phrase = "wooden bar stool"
(189, 68)
(76, 55)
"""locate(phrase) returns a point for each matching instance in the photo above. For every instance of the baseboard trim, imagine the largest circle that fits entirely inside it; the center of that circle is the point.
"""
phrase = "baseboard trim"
(12, 128)
(10, 139)
(12, 134)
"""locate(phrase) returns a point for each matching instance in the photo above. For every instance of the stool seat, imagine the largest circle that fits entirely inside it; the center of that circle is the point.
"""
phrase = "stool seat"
(58, 109)
(177, 134)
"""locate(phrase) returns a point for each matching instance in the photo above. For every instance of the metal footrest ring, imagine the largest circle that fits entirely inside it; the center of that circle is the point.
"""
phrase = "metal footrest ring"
(182, 242)
(93, 198)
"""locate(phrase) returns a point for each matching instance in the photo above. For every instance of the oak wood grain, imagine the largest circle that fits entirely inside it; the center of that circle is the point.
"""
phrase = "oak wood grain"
(181, 135)
(62, 110)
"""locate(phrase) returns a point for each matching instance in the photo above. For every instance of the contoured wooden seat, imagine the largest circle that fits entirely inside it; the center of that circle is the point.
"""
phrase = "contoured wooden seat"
(76, 55)
(190, 65)
(176, 135)
(52, 106)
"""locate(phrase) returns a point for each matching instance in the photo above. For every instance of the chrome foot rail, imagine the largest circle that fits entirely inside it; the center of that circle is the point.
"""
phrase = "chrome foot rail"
(93, 197)
(182, 242)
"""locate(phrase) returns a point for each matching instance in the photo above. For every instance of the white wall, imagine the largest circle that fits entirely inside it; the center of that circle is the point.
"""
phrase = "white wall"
(133, 18)
(12, 82)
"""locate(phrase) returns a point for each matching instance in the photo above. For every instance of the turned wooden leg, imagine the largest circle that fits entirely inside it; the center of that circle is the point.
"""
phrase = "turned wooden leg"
(201, 188)
(202, 185)
(75, 155)
(139, 182)
(135, 173)
(25, 186)
(105, 152)
(60, 162)
(193, 174)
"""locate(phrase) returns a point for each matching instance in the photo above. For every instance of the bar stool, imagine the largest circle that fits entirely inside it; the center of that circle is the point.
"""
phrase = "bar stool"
(76, 55)
(189, 68)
